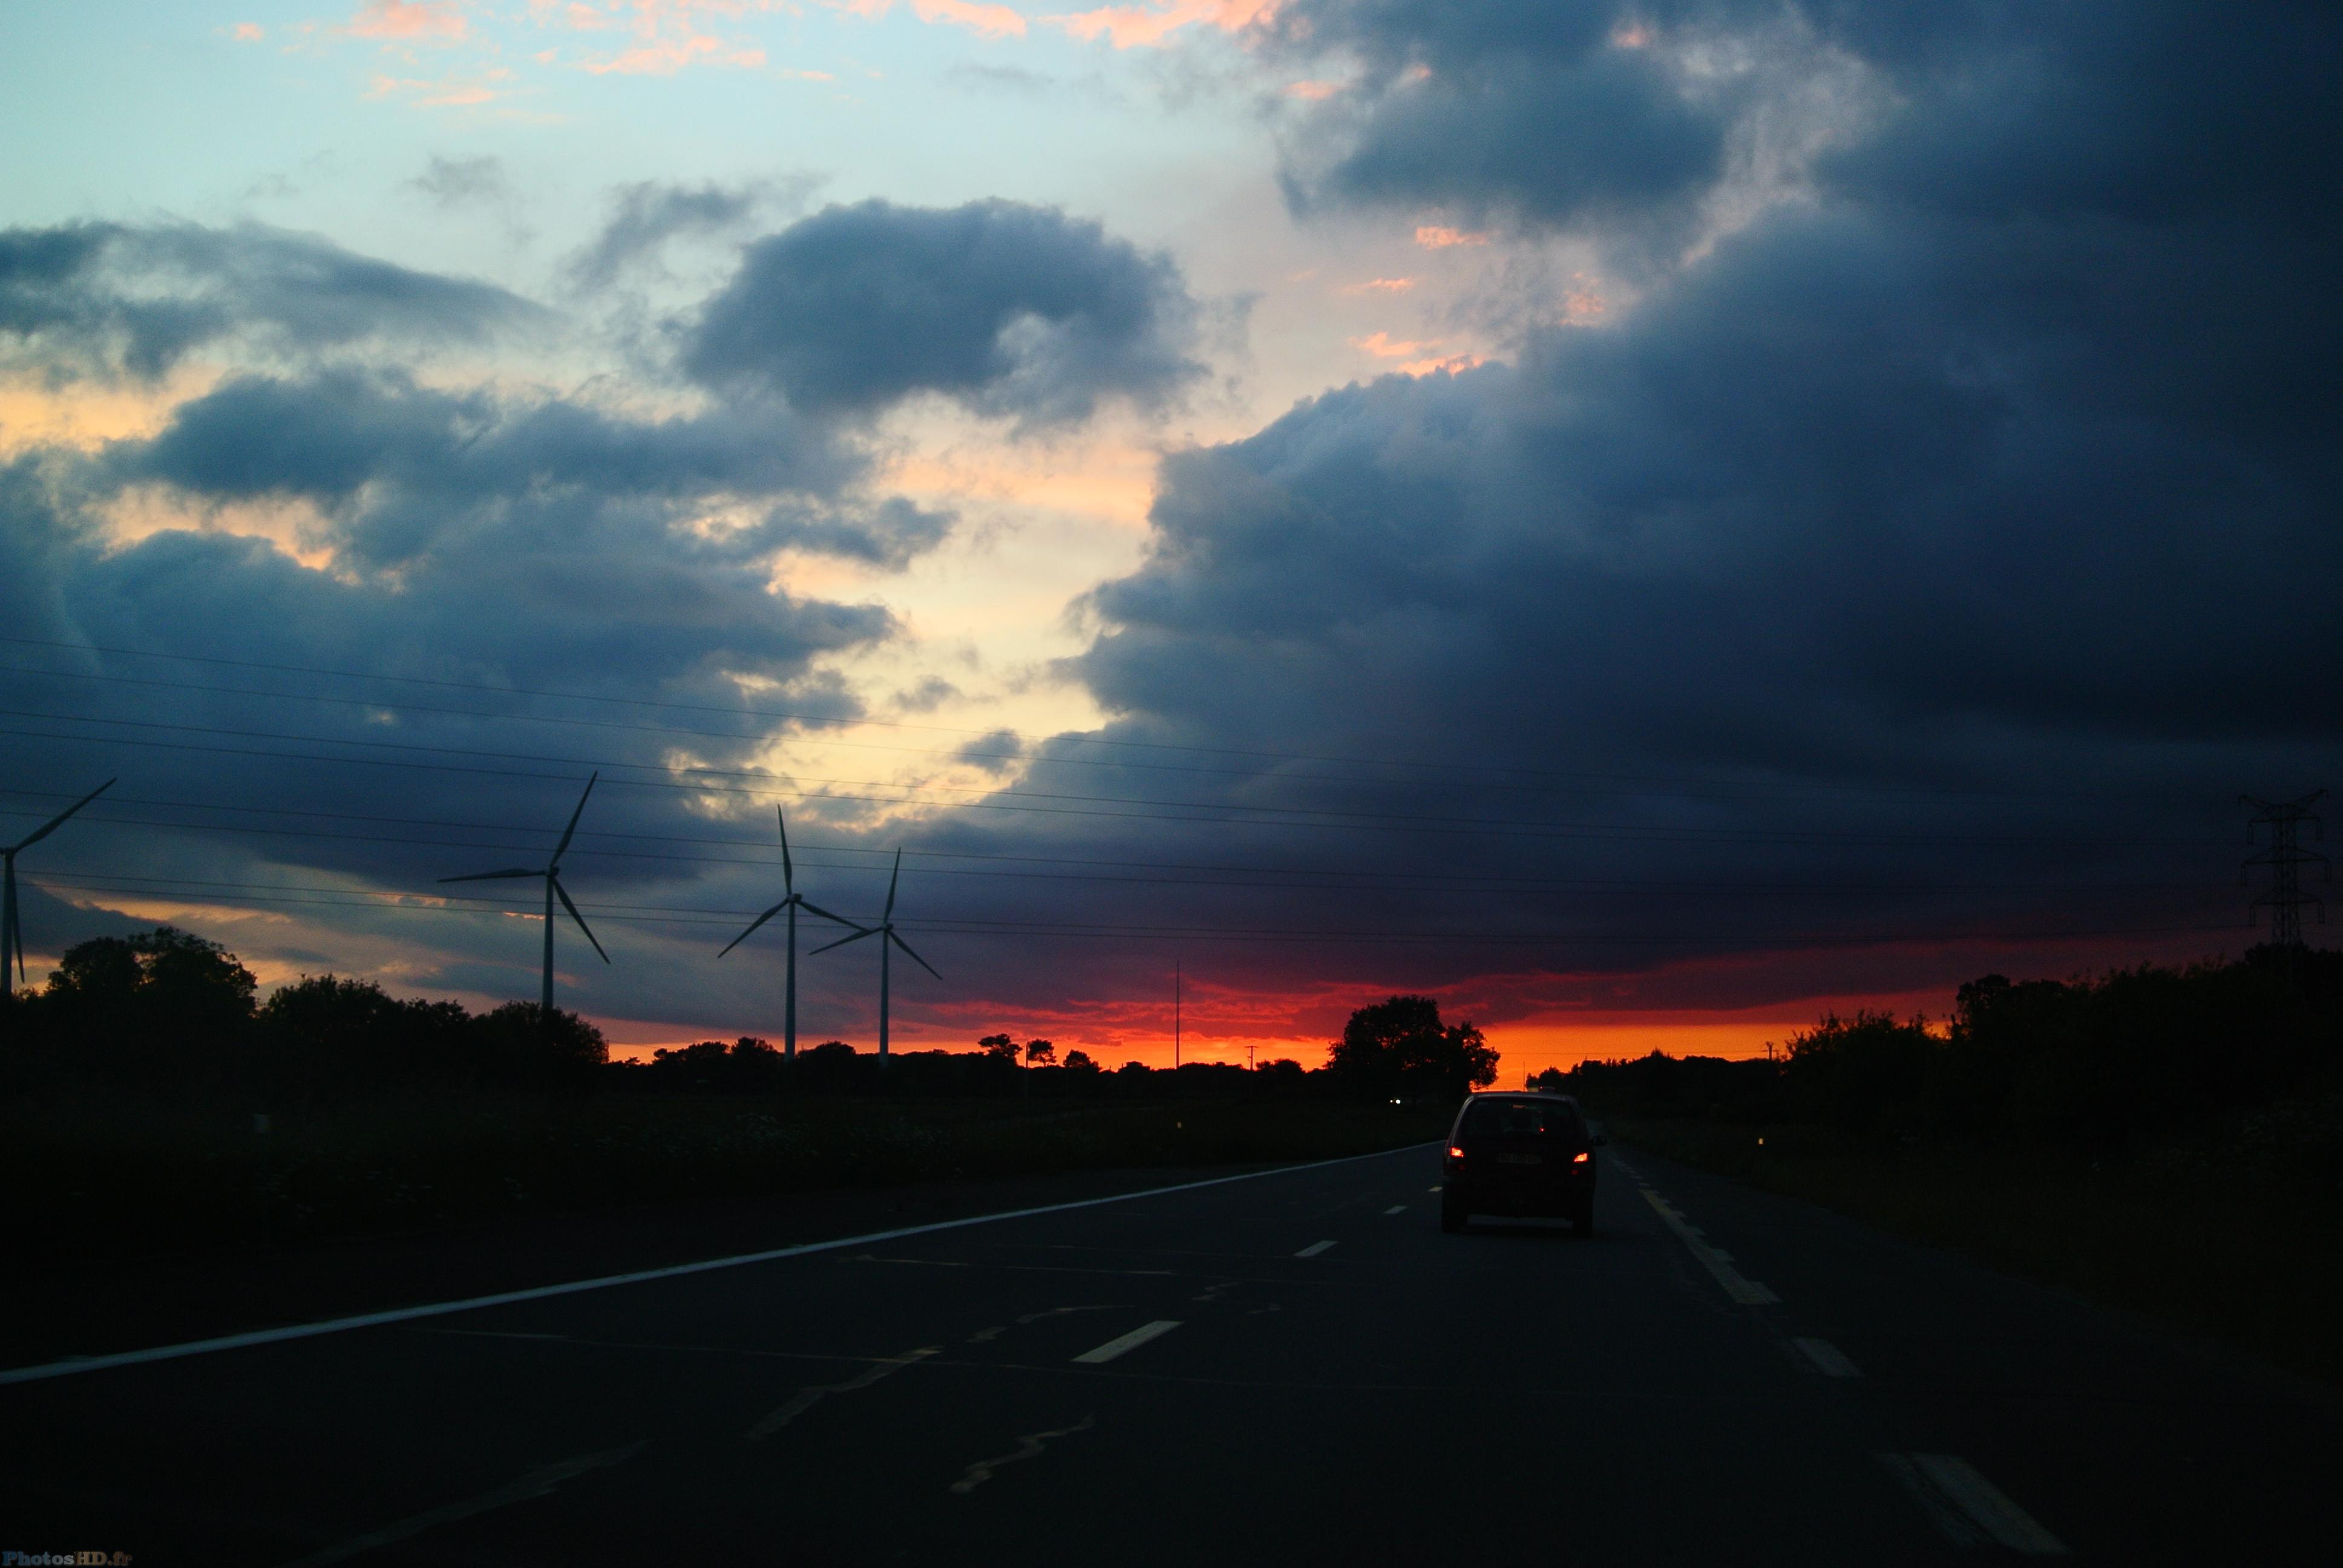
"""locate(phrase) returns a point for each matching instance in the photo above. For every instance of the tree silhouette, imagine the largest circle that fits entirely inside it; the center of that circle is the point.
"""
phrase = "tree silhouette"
(164, 1004)
(1040, 1053)
(1000, 1045)
(1398, 1046)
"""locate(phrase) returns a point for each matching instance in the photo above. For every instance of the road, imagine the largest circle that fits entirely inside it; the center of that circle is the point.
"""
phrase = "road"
(1297, 1367)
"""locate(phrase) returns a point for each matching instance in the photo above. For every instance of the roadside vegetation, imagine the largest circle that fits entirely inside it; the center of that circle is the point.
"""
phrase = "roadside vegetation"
(147, 1101)
(2168, 1140)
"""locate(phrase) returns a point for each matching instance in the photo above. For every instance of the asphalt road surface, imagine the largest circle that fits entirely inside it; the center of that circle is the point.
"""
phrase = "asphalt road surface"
(1297, 1367)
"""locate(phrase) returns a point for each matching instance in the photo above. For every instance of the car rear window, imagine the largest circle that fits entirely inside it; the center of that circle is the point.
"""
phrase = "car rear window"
(1519, 1117)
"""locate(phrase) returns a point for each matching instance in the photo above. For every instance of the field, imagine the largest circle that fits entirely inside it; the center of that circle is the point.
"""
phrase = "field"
(91, 1177)
(2201, 1237)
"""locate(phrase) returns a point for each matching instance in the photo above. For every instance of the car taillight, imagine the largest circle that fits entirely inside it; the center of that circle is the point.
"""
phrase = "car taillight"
(1581, 1158)
(1456, 1152)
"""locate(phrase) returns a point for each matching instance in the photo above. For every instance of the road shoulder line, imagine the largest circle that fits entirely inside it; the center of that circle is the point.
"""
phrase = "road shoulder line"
(1737, 1285)
(1967, 1506)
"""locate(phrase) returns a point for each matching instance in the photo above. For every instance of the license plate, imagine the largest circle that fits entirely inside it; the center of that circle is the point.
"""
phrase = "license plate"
(1521, 1159)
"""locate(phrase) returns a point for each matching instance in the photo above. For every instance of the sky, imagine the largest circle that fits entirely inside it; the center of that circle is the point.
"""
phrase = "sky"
(1647, 523)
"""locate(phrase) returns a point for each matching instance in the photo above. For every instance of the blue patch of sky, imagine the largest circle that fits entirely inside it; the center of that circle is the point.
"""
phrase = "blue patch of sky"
(127, 110)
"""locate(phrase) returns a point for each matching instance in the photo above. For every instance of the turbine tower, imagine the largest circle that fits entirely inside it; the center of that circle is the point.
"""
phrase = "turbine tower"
(793, 904)
(12, 932)
(551, 872)
(885, 931)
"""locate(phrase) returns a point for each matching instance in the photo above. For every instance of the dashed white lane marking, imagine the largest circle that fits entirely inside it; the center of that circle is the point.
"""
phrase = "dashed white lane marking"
(1826, 1357)
(1968, 1507)
(67, 1368)
(537, 1482)
(805, 1399)
(1313, 1249)
(1747, 1292)
(1029, 1446)
(1122, 1344)
(1437, 1189)
(1396, 1209)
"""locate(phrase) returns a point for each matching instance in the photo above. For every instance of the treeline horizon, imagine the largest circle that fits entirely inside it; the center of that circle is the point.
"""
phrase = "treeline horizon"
(2102, 1066)
(166, 1011)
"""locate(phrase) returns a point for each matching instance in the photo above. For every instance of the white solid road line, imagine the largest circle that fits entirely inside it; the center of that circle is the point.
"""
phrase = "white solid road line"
(1965, 1503)
(72, 1365)
(1747, 1292)
(537, 1482)
(1396, 1209)
(1826, 1357)
(1121, 1344)
(1313, 1249)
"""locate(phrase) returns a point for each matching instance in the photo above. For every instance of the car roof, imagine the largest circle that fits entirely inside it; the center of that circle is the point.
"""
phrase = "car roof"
(1520, 1097)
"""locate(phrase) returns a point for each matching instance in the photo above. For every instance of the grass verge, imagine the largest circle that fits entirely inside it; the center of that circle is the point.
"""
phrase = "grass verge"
(2215, 1250)
(86, 1178)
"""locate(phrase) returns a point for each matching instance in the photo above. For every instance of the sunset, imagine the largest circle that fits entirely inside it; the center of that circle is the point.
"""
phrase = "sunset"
(875, 603)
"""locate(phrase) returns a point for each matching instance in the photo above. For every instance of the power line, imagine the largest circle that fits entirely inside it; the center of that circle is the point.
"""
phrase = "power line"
(863, 721)
(725, 920)
(1364, 821)
(1399, 881)
(910, 796)
(1583, 783)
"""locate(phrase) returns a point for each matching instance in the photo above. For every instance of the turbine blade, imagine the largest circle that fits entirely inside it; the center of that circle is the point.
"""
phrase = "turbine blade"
(892, 878)
(788, 872)
(494, 875)
(813, 908)
(907, 948)
(54, 823)
(759, 920)
(566, 832)
(859, 933)
(563, 894)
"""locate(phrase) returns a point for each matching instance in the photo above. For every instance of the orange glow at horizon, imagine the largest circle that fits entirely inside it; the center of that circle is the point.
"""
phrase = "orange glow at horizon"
(1303, 1025)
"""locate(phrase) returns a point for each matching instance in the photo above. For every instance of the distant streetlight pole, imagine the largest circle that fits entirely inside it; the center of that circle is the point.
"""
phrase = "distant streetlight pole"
(1175, 1015)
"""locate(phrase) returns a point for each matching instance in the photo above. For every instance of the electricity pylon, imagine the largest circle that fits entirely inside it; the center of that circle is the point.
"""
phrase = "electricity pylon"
(2285, 859)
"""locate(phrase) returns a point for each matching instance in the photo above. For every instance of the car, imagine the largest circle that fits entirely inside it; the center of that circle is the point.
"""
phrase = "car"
(1528, 1154)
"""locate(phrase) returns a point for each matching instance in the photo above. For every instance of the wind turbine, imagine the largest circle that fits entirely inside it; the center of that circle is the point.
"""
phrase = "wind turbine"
(12, 933)
(793, 904)
(553, 889)
(885, 931)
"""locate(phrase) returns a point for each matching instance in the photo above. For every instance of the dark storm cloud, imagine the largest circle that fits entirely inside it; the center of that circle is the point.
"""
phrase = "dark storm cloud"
(1006, 308)
(995, 753)
(326, 434)
(1939, 552)
(85, 297)
(1524, 107)
(646, 215)
(892, 534)
(402, 470)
